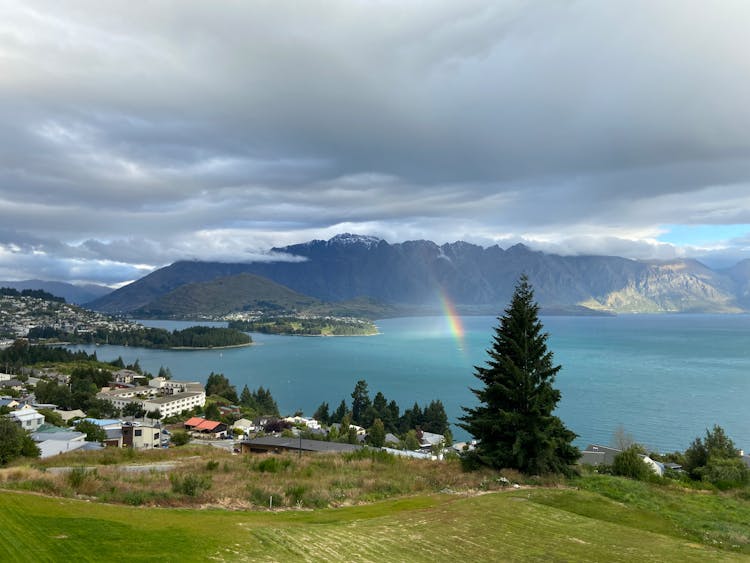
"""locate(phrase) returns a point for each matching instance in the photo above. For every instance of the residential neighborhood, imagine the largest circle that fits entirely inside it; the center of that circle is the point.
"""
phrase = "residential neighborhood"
(20, 314)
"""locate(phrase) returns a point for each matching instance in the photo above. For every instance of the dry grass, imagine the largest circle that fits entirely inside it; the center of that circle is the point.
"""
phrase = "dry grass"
(203, 477)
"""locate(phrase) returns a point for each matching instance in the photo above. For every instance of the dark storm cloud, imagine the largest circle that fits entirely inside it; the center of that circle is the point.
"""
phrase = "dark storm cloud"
(135, 135)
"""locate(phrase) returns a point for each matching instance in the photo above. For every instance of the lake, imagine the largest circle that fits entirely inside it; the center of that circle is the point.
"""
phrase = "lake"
(663, 378)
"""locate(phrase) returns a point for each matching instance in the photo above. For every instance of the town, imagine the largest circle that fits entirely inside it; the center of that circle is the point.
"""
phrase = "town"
(146, 412)
(20, 314)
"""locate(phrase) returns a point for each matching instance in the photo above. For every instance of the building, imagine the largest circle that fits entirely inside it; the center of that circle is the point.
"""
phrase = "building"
(275, 444)
(245, 425)
(140, 436)
(127, 377)
(209, 428)
(594, 454)
(307, 421)
(429, 440)
(67, 416)
(168, 397)
(172, 405)
(28, 418)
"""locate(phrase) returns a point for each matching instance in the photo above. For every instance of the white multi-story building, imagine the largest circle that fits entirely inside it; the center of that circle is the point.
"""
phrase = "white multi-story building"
(166, 396)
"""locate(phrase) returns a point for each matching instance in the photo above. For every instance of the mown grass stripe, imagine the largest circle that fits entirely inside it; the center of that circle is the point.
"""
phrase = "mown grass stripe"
(493, 527)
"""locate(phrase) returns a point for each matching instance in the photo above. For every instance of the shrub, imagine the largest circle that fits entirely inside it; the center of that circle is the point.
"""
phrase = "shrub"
(629, 463)
(261, 497)
(190, 485)
(77, 476)
(295, 493)
(725, 473)
(134, 498)
(272, 465)
(212, 464)
(180, 437)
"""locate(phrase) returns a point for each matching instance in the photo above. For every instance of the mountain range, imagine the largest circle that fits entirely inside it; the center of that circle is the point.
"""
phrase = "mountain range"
(77, 294)
(421, 275)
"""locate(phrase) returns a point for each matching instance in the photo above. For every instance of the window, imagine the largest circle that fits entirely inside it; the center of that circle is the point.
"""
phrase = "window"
(138, 432)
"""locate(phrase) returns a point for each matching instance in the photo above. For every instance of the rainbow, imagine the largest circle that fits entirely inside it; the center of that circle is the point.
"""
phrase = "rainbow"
(454, 321)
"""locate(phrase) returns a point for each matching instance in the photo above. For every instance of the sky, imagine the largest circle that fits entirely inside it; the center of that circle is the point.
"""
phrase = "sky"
(133, 135)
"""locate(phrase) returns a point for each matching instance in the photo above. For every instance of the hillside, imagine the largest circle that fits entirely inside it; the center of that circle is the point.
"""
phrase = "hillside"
(242, 292)
(417, 275)
(77, 294)
(410, 510)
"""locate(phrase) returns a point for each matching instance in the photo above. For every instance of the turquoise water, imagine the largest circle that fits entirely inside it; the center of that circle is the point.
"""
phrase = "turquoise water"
(665, 379)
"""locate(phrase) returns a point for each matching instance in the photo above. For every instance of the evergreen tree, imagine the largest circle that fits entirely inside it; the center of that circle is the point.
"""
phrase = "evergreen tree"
(360, 402)
(321, 414)
(218, 384)
(434, 418)
(380, 405)
(513, 422)
(390, 420)
(265, 402)
(376, 435)
(246, 398)
(339, 413)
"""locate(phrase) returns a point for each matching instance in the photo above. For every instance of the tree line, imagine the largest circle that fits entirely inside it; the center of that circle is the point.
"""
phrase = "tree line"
(364, 412)
(192, 337)
(257, 402)
(20, 354)
(306, 326)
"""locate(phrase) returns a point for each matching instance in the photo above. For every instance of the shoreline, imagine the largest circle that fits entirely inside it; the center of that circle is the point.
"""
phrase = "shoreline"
(178, 348)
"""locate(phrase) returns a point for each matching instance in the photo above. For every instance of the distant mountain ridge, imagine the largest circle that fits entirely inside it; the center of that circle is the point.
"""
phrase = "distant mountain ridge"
(422, 273)
(221, 296)
(77, 294)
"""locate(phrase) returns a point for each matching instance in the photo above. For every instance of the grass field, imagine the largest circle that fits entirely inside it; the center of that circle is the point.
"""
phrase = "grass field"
(528, 524)
(122, 505)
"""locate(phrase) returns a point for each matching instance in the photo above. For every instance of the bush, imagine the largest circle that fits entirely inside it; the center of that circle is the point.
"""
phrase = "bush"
(134, 498)
(295, 493)
(180, 437)
(725, 473)
(629, 463)
(77, 476)
(212, 464)
(272, 465)
(190, 485)
(262, 497)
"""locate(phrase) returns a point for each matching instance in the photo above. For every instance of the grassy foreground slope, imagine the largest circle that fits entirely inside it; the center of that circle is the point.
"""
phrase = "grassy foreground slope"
(527, 524)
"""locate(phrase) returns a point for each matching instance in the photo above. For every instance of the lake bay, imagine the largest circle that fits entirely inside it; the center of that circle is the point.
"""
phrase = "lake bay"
(664, 378)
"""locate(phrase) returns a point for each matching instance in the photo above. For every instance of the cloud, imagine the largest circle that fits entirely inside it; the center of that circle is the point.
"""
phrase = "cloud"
(134, 136)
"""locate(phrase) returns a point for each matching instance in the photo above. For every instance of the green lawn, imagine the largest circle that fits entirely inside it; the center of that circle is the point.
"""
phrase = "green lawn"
(528, 524)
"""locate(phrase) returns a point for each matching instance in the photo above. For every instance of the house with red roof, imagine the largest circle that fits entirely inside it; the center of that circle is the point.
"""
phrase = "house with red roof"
(208, 428)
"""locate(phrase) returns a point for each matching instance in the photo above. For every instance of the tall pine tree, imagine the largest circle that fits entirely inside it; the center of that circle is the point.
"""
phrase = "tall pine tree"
(513, 423)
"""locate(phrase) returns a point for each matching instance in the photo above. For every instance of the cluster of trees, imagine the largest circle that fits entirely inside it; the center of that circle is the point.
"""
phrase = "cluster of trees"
(20, 354)
(257, 402)
(365, 412)
(15, 442)
(192, 337)
(85, 383)
(713, 459)
(306, 326)
(38, 293)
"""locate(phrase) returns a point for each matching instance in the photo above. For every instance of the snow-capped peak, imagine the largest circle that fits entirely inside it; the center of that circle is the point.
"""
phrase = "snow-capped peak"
(349, 238)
